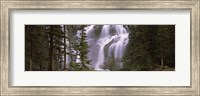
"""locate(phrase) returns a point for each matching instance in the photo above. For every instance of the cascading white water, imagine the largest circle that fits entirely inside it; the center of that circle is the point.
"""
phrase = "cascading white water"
(104, 45)
(110, 43)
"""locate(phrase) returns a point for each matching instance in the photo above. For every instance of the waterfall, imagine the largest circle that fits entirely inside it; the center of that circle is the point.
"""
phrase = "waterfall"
(107, 45)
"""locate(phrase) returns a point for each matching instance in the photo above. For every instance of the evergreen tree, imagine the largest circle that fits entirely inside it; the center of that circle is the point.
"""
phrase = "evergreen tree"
(84, 50)
(35, 47)
(150, 47)
(137, 56)
(55, 47)
(165, 40)
(64, 47)
(72, 46)
(78, 49)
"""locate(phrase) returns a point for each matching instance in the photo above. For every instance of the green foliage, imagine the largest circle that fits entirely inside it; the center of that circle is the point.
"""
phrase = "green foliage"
(138, 57)
(41, 49)
(35, 48)
(81, 48)
(77, 47)
(166, 45)
(111, 65)
(147, 45)
(84, 50)
(150, 47)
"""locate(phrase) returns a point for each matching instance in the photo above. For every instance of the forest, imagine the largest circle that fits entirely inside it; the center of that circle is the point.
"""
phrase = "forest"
(99, 47)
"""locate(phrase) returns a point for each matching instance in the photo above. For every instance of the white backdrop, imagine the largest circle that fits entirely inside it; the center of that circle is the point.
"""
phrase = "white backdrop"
(179, 77)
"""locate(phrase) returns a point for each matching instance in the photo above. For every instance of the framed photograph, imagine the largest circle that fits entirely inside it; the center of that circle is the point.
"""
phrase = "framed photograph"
(95, 47)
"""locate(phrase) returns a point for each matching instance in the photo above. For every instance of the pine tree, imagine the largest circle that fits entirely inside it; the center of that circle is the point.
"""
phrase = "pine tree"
(137, 56)
(165, 44)
(84, 50)
(35, 47)
(72, 46)
(55, 47)
(150, 45)
(64, 47)
(77, 48)
(28, 47)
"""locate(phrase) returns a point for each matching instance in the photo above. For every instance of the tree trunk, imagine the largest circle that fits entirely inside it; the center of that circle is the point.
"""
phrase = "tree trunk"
(70, 53)
(64, 48)
(69, 47)
(30, 65)
(53, 60)
(50, 52)
(31, 62)
(40, 67)
(162, 62)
